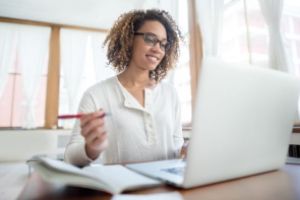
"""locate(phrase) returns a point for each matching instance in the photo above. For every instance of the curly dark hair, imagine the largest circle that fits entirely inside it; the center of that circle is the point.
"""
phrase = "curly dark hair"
(119, 41)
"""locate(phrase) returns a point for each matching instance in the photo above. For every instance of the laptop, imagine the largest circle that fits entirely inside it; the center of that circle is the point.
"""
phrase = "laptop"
(242, 125)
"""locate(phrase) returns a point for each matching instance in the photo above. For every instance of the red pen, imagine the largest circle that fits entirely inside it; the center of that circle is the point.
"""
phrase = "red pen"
(77, 116)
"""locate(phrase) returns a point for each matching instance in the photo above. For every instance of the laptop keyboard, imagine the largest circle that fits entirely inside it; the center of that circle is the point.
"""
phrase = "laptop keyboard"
(175, 170)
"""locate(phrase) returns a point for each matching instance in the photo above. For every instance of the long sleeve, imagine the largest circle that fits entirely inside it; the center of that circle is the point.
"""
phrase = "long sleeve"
(178, 136)
(75, 151)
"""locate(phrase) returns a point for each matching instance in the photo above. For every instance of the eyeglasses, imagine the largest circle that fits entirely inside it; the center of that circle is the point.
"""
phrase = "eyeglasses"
(151, 39)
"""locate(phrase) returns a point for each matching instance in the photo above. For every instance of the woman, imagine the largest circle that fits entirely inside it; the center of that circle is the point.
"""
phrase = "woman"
(144, 122)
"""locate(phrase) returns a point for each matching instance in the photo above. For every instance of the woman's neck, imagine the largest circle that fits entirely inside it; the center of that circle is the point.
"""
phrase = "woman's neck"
(134, 78)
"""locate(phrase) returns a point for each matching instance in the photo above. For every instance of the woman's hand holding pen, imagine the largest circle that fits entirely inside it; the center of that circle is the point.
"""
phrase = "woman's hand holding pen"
(94, 133)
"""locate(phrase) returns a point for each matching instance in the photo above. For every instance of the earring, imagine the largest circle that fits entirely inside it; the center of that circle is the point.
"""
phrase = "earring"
(152, 75)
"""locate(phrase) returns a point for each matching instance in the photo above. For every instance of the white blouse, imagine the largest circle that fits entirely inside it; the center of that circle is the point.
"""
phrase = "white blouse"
(135, 133)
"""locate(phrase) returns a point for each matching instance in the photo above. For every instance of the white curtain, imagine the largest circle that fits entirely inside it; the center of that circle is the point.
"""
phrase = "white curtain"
(210, 17)
(73, 54)
(33, 48)
(102, 69)
(8, 40)
(272, 11)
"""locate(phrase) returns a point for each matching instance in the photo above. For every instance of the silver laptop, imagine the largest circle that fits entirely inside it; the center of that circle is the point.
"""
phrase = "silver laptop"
(241, 126)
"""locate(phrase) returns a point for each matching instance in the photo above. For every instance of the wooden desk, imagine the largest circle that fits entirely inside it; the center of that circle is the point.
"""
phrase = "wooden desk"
(283, 184)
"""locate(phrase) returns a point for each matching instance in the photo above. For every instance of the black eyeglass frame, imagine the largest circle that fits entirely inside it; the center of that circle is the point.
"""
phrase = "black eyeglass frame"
(162, 46)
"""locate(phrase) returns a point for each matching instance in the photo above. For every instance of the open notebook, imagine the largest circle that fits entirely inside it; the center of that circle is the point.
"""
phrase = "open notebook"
(112, 179)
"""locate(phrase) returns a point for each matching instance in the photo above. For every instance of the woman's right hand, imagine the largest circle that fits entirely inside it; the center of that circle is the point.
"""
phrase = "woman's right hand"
(94, 133)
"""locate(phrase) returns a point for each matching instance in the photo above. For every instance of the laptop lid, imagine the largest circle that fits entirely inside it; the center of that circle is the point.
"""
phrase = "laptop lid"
(242, 122)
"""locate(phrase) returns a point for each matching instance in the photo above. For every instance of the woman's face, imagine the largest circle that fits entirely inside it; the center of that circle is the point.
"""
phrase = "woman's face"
(149, 46)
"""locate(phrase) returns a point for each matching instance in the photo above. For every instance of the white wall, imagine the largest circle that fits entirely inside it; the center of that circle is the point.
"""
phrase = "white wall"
(20, 145)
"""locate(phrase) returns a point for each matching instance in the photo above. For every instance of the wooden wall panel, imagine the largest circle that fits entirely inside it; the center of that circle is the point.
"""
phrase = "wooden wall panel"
(52, 95)
(196, 51)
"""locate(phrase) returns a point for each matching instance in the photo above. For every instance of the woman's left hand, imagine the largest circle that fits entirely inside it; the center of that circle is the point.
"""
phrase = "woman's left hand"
(184, 149)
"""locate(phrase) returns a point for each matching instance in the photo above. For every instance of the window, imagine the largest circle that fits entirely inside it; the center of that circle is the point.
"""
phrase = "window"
(23, 74)
(83, 63)
(291, 31)
(181, 75)
(250, 41)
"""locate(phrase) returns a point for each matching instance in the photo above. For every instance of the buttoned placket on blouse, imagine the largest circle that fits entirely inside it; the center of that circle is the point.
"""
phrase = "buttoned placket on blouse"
(148, 118)
(131, 102)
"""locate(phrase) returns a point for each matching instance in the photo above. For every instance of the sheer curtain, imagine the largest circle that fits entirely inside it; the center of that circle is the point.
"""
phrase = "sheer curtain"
(83, 63)
(73, 54)
(102, 69)
(272, 11)
(8, 41)
(33, 48)
(210, 17)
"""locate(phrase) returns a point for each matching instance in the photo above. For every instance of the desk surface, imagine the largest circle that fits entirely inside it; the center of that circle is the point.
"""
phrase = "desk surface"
(13, 178)
(280, 184)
